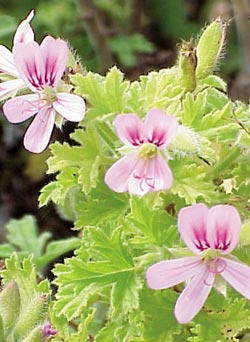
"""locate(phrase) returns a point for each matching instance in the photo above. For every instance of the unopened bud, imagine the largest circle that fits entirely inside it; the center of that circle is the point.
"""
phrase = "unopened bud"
(187, 65)
(31, 315)
(209, 48)
(186, 141)
(9, 305)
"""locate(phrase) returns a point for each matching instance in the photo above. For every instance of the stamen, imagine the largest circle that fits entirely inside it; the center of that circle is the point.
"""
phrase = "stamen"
(144, 180)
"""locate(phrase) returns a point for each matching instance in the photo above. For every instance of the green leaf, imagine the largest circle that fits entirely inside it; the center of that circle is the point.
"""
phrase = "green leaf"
(149, 225)
(160, 323)
(23, 234)
(101, 205)
(105, 95)
(6, 250)
(56, 248)
(109, 267)
(24, 274)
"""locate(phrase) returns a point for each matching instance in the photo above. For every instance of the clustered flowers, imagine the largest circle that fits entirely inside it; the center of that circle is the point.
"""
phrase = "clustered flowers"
(210, 234)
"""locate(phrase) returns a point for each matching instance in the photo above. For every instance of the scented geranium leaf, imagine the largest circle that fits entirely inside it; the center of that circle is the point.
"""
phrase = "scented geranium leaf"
(131, 329)
(193, 108)
(78, 166)
(24, 273)
(158, 308)
(242, 182)
(23, 234)
(160, 89)
(6, 250)
(215, 99)
(110, 266)
(88, 174)
(213, 81)
(115, 89)
(63, 155)
(215, 118)
(191, 182)
(105, 95)
(101, 205)
(149, 225)
(58, 190)
(56, 248)
(227, 323)
(65, 331)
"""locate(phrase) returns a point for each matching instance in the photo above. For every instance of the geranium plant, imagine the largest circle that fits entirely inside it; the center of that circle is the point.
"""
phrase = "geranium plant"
(150, 161)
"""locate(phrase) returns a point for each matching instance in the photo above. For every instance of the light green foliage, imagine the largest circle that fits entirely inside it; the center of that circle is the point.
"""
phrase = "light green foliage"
(102, 290)
(23, 238)
(23, 302)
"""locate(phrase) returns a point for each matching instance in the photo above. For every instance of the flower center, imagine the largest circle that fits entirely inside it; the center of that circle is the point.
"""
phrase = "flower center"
(147, 151)
(49, 95)
(212, 258)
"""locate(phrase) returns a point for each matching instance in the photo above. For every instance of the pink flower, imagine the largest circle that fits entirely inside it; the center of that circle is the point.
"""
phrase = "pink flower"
(210, 234)
(47, 330)
(41, 67)
(8, 71)
(144, 168)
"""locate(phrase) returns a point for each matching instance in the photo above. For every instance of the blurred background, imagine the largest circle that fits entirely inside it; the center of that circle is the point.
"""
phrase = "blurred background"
(136, 35)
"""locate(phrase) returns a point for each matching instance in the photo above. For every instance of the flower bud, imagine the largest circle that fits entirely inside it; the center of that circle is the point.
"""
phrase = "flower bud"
(31, 315)
(209, 48)
(187, 65)
(186, 141)
(9, 305)
(36, 335)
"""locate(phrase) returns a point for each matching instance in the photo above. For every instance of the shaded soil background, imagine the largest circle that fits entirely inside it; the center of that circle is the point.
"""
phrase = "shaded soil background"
(162, 24)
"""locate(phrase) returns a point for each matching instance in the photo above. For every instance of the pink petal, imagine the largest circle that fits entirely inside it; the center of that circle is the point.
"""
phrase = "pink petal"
(117, 176)
(10, 88)
(194, 295)
(238, 276)
(21, 108)
(162, 174)
(39, 132)
(55, 53)
(7, 64)
(70, 106)
(30, 64)
(24, 32)
(129, 129)
(168, 273)
(150, 175)
(224, 225)
(192, 224)
(159, 128)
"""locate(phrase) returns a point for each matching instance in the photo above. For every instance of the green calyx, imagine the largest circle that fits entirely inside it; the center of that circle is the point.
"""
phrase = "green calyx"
(210, 254)
(49, 95)
(148, 151)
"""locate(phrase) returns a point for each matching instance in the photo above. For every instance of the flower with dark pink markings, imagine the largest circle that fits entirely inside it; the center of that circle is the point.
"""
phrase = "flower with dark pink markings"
(210, 234)
(144, 169)
(41, 67)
